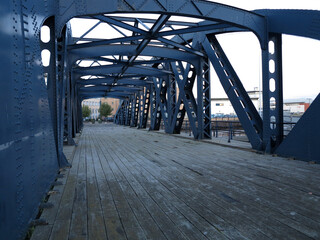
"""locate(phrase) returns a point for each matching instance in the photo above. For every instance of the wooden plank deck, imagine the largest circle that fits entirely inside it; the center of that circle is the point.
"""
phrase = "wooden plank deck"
(134, 184)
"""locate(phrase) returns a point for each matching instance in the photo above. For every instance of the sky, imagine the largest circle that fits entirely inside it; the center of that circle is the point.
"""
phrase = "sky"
(301, 56)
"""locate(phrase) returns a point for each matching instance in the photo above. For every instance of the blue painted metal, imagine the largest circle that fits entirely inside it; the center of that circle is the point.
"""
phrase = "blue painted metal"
(28, 154)
(303, 140)
(304, 23)
(39, 117)
(201, 9)
(241, 102)
(127, 50)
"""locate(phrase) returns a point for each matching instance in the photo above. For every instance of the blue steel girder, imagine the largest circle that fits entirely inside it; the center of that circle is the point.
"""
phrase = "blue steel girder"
(200, 9)
(272, 98)
(113, 88)
(171, 97)
(203, 97)
(180, 44)
(275, 95)
(116, 115)
(56, 87)
(144, 109)
(179, 109)
(143, 44)
(241, 102)
(110, 80)
(129, 107)
(111, 69)
(155, 111)
(304, 23)
(135, 110)
(161, 99)
(198, 111)
(186, 99)
(129, 50)
(147, 20)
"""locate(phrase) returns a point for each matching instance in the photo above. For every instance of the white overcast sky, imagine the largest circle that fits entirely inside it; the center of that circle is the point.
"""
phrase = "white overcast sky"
(301, 56)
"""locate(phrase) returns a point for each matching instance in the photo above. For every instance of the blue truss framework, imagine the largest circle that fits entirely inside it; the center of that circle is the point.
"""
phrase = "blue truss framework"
(153, 70)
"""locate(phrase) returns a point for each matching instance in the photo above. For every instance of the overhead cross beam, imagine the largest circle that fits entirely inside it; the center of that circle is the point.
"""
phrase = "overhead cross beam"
(151, 34)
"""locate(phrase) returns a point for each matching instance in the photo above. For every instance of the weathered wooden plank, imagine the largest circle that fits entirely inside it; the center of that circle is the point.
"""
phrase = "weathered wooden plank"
(150, 228)
(132, 184)
(61, 225)
(78, 227)
(129, 222)
(208, 165)
(306, 200)
(49, 214)
(60, 230)
(112, 221)
(42, 232)
(177, 211)
(137, 143)
(96, 225)
(145, 208)
(212, 215)
(307, 230)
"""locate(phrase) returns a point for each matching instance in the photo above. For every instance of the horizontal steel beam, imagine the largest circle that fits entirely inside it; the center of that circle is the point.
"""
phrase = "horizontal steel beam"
(113, 69)
(129, 50)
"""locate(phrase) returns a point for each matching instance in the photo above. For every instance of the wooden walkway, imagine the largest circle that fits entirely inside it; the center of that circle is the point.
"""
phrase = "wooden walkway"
(134, 184)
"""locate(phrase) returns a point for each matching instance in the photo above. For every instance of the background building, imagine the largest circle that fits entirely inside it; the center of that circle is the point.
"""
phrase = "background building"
(94, 105)
(113, 102)
(222, 106)
(296, 105)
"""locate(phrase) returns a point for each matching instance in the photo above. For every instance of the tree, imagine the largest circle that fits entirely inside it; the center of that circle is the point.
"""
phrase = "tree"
(105, 110)
(85, 111)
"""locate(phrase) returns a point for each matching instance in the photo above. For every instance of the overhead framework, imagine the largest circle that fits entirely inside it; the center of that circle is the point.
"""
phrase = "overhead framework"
(158, 65)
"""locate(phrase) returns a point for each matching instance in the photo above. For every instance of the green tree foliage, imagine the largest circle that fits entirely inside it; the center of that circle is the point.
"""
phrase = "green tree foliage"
(105, 110)
(86, 111)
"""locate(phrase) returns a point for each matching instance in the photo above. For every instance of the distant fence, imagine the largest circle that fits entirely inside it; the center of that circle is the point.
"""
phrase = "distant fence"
(226, 127)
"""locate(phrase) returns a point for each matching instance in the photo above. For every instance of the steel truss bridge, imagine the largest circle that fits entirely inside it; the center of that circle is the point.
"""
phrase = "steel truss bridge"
(152, 67)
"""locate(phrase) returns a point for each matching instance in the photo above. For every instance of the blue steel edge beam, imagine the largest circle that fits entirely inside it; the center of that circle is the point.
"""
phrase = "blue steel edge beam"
(198, 9)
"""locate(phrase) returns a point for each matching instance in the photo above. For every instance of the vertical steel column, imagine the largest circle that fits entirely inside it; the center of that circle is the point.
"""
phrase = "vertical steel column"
(132, 110)
(204, 99)
(61, 91)
(116, 119)
(68, 109)
(135, 110)
(272, 93)
(76, 121)
(122, 113)
(275, 89)
(161, 90)
(78, 116)
(141, 106)
(55, 88)
(128, 111)
(145, 107)
(171, 98)
(155, 110)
